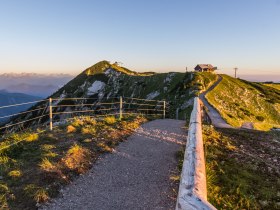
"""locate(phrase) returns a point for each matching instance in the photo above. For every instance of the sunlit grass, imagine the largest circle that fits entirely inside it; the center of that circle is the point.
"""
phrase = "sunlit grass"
(40, 166)
(71, 129)
(47, 165)
(239, 101)
(110, 120)
(32, 137)
(15, 174)
(235, 180)
(77, 158)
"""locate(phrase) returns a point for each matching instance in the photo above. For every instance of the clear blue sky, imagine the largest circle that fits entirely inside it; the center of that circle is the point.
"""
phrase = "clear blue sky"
(67, 36)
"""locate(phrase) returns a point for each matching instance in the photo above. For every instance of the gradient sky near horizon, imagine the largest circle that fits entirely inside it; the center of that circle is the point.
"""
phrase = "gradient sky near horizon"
(67, 36)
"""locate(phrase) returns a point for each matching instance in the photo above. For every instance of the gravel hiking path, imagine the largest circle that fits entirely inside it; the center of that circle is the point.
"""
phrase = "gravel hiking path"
(214, 115)
(135, 176)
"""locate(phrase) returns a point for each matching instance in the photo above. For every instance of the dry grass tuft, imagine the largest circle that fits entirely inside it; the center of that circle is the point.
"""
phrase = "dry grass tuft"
(4, 192)
(110, 120)
(77, 159)
(32, 137)
(71, 129)
(15, 173)
(39, 194)
(89, 121)
(47, 166)
(104, 148)
(77, 122)
(88, 130)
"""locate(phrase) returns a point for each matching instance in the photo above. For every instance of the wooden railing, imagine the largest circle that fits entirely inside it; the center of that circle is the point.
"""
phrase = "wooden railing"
(193, 190)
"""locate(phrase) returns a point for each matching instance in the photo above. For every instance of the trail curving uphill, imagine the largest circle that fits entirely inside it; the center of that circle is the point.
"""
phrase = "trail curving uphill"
(214, 115)
(135, 176)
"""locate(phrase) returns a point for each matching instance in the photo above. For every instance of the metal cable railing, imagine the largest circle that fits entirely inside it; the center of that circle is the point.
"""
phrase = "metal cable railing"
(57, 108)
(25, 112)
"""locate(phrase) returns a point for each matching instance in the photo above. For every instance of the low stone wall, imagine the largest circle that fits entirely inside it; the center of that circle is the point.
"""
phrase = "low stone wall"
(192, 190)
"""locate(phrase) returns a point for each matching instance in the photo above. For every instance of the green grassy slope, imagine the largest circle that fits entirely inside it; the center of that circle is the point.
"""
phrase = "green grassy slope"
(203, 80)
(240, 101)
(274, 85)
(242, 168)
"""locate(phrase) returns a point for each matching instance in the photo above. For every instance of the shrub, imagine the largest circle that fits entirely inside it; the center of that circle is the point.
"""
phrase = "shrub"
(260, 118)
(104, 148)
(89, 120)
(77, 159)
(32, 137)
(231, 116)
(88, 130)
(46, 165)
(110, 120)
(15, 173)
(246, 112)
(4, 193)
(77, 122)
(71, 129)
(47, 147)
(39, 194)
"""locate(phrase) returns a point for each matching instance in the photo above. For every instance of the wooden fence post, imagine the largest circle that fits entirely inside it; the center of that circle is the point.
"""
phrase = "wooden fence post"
(121, 106)
(164, 109)
(51, 115)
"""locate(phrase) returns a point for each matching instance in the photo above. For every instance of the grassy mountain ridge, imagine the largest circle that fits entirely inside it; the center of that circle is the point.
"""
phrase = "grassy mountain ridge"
(105, 82)
(101, 66)
(240, 101)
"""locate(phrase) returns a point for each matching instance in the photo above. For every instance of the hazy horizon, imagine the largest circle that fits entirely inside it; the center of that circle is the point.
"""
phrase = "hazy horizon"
(250, 77)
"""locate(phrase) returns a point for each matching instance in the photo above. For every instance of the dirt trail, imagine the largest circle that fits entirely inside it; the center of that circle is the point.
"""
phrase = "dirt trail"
(214, 115)
(135, 176)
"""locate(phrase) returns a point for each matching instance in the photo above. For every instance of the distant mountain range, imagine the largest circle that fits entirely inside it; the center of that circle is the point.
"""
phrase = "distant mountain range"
(14, 98)
(36, 90)
(41, 85)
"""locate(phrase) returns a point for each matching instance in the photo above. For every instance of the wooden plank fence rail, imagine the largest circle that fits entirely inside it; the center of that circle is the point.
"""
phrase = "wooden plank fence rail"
(192, 193)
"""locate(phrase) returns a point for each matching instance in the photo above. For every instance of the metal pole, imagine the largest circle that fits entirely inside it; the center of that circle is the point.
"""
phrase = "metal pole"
(163, 109)
(51, 115)
(235, 69)
(177, 113)
(121, 106)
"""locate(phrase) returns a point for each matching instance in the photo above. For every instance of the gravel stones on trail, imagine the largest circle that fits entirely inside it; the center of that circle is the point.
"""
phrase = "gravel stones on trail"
(135, 176)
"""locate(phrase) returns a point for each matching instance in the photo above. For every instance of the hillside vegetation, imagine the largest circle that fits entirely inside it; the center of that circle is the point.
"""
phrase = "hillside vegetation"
(202, 81)
(105, 83)
(243, 168)
(37, 165)
(239, 101)
(274, 85)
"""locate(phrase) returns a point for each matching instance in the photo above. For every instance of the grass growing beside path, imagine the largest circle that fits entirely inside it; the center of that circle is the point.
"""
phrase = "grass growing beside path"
(243, 168)
(239, 101)
(34, 170)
